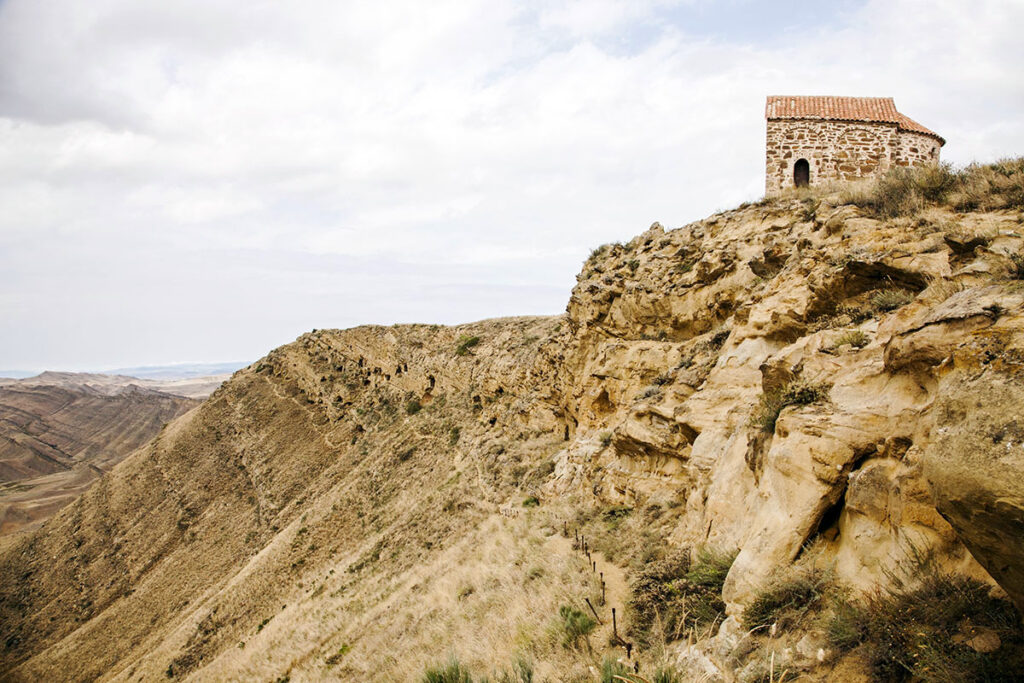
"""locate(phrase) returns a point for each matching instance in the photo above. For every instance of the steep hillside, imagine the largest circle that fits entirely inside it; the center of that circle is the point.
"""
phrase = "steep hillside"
(58, 437)
(816, 400)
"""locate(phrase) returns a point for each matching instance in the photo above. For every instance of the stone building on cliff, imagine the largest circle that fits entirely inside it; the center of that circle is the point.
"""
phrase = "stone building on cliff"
(815, 140)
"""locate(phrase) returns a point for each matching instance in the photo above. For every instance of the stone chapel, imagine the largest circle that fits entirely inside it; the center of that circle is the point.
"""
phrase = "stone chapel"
(814, 140)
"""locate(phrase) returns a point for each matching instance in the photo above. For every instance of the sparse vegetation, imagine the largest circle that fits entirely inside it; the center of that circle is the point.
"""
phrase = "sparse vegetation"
(339, 655)
(662, 379)
(904, 191)
(520, 672)
(611, 668)
(413, 407)
(1017, 272)
(651, 392)
(606, 439)
(450, 672)
(464, 343)
(885, 300)
(796, 393)
(531, 502)
(666, 674)
(672, 595)
(855, 338)
(596, 252)
(575, 626)
(787, 597)
(944, 628)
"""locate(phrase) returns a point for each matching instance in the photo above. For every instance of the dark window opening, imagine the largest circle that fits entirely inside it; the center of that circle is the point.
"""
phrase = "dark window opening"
(802, 173)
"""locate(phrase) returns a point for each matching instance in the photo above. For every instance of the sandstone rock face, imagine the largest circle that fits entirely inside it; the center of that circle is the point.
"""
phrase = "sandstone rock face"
(678, 335)
(976, 459)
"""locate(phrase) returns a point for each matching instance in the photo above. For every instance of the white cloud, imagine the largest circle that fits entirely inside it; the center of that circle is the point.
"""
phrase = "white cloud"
(148, 150)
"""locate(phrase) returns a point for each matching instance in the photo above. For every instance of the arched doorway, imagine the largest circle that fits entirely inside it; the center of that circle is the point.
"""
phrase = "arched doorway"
(802, 173)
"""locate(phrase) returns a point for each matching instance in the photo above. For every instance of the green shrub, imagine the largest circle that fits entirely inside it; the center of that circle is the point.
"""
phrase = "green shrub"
(453, 436)
(667, 674)
(921, 633)
(796, 393)
(606, 438)
(450, 672)
(531, 502)
(576, 625)
(610, 668)
(885, 300)
(413, 407)
(787, 597)
(464, 343)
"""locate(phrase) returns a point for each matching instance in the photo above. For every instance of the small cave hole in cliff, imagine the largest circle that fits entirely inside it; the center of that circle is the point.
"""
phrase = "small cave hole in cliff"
(603, 403)
(492, 421)
(566, 437)
(802, 173)
(430, 379)
(828, 526)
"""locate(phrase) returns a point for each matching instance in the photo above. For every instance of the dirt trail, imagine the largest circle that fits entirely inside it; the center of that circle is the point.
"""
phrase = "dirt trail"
(616, 594)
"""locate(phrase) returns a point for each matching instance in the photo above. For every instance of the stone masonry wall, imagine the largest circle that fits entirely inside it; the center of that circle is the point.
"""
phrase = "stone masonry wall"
(840, 150)
(915, 149)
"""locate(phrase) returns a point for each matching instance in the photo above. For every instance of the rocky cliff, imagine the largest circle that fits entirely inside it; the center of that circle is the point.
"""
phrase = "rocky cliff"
(792, 378)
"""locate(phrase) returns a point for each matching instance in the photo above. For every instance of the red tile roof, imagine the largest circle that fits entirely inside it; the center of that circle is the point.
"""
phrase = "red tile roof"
(871, 109)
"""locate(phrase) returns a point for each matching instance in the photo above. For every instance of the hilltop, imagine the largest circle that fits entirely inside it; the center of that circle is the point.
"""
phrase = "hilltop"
(757, 421)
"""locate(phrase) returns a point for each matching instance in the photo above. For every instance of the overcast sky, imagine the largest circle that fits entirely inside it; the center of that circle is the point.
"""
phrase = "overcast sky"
(203, 180)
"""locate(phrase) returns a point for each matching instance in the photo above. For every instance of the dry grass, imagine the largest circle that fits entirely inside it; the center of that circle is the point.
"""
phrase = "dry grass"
(855, 338)
(906, 191)
(924, 632)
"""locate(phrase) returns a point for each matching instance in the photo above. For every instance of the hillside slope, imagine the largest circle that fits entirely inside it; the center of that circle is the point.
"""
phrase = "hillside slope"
(56, 438)
(787, 376)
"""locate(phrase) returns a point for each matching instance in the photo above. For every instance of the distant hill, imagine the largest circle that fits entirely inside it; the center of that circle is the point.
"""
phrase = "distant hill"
(16, 374)
(189, 386)
(61, 431)
(179, 370)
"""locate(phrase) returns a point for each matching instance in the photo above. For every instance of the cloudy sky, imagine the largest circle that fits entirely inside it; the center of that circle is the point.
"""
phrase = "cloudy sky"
(203, 180)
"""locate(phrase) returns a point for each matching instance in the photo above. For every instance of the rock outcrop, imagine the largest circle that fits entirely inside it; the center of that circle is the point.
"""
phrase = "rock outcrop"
(784, 374)
(680, 337)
